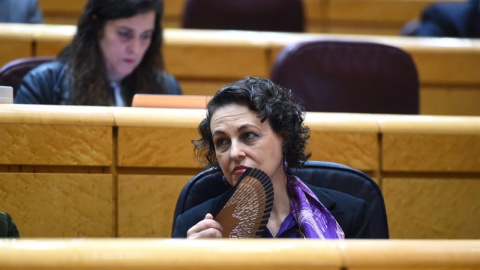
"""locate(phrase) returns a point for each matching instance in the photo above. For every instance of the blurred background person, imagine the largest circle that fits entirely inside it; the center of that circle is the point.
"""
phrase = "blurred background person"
(20, 11)
(115, 54)
(451, 19)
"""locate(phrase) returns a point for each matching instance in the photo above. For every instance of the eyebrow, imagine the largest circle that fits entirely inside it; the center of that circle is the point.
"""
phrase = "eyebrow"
(240, 129)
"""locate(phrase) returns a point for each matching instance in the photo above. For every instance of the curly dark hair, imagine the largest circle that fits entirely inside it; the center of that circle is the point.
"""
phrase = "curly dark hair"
(271, 102)
(84, 57)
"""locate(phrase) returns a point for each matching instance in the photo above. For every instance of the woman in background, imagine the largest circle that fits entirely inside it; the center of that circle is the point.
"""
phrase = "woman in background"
(115, 54)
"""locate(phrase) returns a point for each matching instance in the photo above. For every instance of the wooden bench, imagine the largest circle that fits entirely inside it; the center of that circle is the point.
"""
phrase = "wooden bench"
(250, 254)
(69, 171)
(448, 68)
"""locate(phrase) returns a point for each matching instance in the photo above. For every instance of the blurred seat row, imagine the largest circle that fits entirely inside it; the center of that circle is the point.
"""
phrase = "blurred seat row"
(329, 76)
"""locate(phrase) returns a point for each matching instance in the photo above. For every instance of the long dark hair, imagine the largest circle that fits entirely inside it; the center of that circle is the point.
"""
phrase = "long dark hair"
(271, 102)
(86, 67)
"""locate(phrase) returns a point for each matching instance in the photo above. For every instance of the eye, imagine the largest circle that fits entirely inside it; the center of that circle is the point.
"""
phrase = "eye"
(248, 136)
(221, 143)
(146, 36)
(124, 35)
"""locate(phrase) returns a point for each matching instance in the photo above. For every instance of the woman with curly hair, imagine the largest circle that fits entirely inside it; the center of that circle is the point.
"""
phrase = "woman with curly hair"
(115, 54)
(254, 123)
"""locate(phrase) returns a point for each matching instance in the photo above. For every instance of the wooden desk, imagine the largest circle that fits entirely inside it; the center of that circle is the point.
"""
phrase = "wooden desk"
(117, 172)
(448, 68)
(250, 254)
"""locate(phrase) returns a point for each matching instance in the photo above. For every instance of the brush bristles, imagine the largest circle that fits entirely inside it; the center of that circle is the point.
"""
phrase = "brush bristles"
(246, 213)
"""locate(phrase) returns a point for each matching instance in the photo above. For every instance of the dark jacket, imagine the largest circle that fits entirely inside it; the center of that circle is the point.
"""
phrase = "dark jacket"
(48, 84)
(351, 213)
(8, 229)
(451, 19)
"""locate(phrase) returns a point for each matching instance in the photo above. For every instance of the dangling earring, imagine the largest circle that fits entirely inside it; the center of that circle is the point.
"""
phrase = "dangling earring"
(285, 164)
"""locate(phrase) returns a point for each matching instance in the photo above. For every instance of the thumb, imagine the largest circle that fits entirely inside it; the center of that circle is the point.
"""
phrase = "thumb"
(208, 216)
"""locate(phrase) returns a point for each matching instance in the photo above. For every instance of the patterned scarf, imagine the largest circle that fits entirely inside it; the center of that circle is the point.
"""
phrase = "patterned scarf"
(313, 219)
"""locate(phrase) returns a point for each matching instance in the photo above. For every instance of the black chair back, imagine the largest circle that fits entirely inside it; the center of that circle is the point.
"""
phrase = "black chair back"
(209, 184)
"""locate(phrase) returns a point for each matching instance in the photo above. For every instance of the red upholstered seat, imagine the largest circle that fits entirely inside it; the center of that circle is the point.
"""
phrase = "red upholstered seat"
(349, 76)
(12, 73)
(254, 15)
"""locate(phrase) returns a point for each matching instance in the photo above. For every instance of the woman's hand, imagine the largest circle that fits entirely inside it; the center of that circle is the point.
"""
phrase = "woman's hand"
(207, 228)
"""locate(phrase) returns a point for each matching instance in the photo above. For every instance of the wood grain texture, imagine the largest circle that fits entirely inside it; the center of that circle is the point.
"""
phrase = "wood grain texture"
(359, 151)
(17, 41)
(59, 205)
(163, 254)
(454, 100)
(156, 147)
(431, 153)
(428, 208)
(228, 62)
(55, 145)
(146, 204)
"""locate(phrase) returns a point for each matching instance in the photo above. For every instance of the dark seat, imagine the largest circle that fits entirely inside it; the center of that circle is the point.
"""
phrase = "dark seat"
(12, 73)
(254, 15)
(349, 76)
(209, 184)
(8, 229)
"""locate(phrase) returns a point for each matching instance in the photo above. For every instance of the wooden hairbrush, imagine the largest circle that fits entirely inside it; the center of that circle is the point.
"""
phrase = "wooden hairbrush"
(246, 212)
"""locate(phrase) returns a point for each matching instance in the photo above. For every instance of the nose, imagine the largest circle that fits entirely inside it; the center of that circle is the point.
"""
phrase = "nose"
(236, 151)
(135, 45)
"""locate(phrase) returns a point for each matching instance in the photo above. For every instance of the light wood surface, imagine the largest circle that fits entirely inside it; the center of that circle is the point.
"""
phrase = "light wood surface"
(239, 254)
(121, 169)
(445, 207)
(448, 68)
(59, 204)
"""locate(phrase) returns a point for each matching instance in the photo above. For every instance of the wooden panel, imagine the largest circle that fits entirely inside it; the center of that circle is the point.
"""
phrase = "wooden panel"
(57, 12)
(449, 101)
(410, 254)
(431, 152)
(358, 150)
(227, 62)
(156, 147)
(55, 144)
(461, 65)
(59, 205)
(51, 39)
(17, 42)
(202, 87)
(432, 208)
(146, 204)
(376, 11)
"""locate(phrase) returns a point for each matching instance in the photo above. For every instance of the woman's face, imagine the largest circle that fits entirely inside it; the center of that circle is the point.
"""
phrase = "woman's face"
(241, 140)
(124, 42)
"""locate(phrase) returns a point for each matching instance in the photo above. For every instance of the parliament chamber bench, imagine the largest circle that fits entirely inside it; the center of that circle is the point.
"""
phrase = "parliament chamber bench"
(448, 68)
(72, 171)
(325, 16)
(250, 254)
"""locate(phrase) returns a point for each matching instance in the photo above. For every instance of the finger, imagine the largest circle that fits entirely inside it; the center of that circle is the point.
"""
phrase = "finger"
(208, 233)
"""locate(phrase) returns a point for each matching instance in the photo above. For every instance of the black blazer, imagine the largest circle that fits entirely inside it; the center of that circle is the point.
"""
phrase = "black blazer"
(351, 213)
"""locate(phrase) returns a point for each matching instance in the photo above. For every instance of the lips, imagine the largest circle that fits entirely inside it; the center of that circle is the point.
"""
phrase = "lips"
(238, 170)
(129, 61)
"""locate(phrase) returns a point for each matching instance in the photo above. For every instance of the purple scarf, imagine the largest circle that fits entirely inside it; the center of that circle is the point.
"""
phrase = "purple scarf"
(313, 219)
